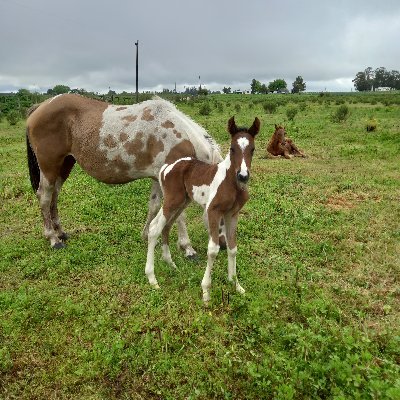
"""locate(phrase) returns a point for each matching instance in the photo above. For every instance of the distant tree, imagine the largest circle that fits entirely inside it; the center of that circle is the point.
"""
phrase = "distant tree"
(264, 89)
(23, 92)
(203, 91)
(394, 79)
(227, 90)
(277, 84)
(59, 89)
(363, 81)
(381, 77)
(255, 86)
(299, 85)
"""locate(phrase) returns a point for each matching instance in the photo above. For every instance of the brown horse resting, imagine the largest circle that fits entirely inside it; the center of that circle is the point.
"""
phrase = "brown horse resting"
(114, 144)
(280, 145)
(221, 189)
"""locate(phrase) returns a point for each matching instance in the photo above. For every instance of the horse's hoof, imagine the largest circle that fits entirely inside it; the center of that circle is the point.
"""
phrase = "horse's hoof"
(64, 237)
(193, 257)
(59, 245)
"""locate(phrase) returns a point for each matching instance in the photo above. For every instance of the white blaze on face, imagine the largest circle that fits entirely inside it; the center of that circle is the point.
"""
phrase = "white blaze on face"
(243, 143)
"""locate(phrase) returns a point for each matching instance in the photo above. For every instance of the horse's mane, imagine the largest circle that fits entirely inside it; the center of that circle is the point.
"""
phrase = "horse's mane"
(196, 135)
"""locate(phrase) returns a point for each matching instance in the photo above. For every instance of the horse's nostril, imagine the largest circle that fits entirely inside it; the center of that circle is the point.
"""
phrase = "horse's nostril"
(243, 178)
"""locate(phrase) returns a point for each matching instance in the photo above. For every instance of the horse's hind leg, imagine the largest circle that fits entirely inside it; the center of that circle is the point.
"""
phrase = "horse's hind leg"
(154, 206)
(66, 168)
(183, 237)
(45, 196)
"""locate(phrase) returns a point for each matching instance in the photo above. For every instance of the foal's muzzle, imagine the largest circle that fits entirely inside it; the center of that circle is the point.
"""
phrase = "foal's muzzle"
(243, 178)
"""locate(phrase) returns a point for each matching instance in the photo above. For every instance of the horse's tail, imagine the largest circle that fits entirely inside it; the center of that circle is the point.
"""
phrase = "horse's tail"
(34, 171)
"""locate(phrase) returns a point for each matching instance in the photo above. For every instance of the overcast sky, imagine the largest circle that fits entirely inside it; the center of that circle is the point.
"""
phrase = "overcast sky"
(91, 43)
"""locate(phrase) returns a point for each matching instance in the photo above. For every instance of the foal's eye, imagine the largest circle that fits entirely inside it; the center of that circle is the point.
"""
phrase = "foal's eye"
(232, 150)
(252, 151)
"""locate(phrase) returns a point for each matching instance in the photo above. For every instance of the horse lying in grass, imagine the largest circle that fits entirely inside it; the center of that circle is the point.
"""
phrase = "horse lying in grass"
(280, 145)
(220, 189)
(114, 144)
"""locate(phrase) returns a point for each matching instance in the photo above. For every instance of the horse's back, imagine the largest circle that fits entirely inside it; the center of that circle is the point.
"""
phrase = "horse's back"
(117, 144)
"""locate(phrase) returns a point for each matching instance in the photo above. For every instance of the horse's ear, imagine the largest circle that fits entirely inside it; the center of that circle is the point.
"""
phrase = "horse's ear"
(276, 126)
(232, 128)
(255, 128)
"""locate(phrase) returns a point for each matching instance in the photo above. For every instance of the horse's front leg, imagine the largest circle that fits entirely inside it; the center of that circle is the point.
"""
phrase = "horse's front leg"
(212, 252)
(231, 226)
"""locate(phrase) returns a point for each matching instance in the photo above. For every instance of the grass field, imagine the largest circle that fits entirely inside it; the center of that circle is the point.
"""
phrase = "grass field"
(318, 255)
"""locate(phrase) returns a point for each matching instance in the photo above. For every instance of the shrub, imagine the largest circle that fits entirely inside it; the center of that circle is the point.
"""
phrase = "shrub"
(291, 113)
(205, 109)
(371, 125)
(341, 113)
(13, 117)
(270, 107)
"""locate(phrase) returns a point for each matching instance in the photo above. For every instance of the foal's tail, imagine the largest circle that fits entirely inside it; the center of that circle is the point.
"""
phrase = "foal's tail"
(34, 171)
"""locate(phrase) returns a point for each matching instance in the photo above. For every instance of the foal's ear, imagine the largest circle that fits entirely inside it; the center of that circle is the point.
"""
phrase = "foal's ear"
(232, 128)
(255, 128)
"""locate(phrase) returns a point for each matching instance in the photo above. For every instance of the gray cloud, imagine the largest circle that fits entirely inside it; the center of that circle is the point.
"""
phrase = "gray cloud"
(91, 44)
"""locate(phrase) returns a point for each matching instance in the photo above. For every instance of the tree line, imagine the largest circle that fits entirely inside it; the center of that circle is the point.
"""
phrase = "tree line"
(371, 79)
(277, 85)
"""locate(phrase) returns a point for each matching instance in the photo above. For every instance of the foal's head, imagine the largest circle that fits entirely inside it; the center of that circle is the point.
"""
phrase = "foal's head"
(242, 148)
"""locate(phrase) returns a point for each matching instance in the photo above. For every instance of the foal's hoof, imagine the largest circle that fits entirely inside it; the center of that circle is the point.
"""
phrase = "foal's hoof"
(59, 245)
(64, 237)
(193, 257)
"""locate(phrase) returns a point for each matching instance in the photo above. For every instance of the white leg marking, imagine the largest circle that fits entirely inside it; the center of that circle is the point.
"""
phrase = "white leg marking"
(183, 236)
(232, 277)
(166, 255)
(212, 252)
(155, 230)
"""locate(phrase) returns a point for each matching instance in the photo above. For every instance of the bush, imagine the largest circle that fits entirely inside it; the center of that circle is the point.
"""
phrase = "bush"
(205, 109)
(371, 125)
(291, 113)
(270, 107)
(341, 113)
(13, 117)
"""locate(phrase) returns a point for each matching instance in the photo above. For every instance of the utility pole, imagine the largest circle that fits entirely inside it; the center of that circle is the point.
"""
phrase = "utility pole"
(137, 71)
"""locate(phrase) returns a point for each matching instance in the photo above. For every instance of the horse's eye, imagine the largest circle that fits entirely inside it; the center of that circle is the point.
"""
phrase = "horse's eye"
(252, 151)
(232, 150)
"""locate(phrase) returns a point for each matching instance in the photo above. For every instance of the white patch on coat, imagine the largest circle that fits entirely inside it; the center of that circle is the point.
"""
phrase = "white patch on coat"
(243, 143)
(167, 168)
(211, 190)
(115, 121)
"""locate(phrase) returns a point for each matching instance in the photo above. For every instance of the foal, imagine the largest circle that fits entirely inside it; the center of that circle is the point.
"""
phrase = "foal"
(221, 189)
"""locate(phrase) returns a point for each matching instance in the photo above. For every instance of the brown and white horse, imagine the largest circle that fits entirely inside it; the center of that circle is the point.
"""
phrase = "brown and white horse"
(220, 189)
(114, 144)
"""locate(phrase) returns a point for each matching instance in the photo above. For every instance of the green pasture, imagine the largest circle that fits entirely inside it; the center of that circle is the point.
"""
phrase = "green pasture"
(318, 255)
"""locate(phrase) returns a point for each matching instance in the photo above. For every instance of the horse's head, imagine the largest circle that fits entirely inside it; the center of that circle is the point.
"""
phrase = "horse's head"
(242, 148)
(280, 134)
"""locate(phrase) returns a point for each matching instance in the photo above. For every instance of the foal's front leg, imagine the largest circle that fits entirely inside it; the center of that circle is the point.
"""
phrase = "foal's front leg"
(212, 252)
(231, 225)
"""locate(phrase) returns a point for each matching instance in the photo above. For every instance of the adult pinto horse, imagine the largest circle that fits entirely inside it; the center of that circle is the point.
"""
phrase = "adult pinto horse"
(114, 144)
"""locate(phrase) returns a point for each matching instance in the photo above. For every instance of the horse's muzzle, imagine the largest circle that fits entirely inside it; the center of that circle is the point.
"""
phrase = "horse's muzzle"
(243, 178)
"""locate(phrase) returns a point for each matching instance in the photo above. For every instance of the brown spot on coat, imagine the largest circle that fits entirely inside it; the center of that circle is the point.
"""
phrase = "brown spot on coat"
(135, 146)
(109, 141)
(168, 124)
(152, 149)
(182, 149)
(129, 119)
(177, 134)
(147, 115)
(123, 136)
(121, 108)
